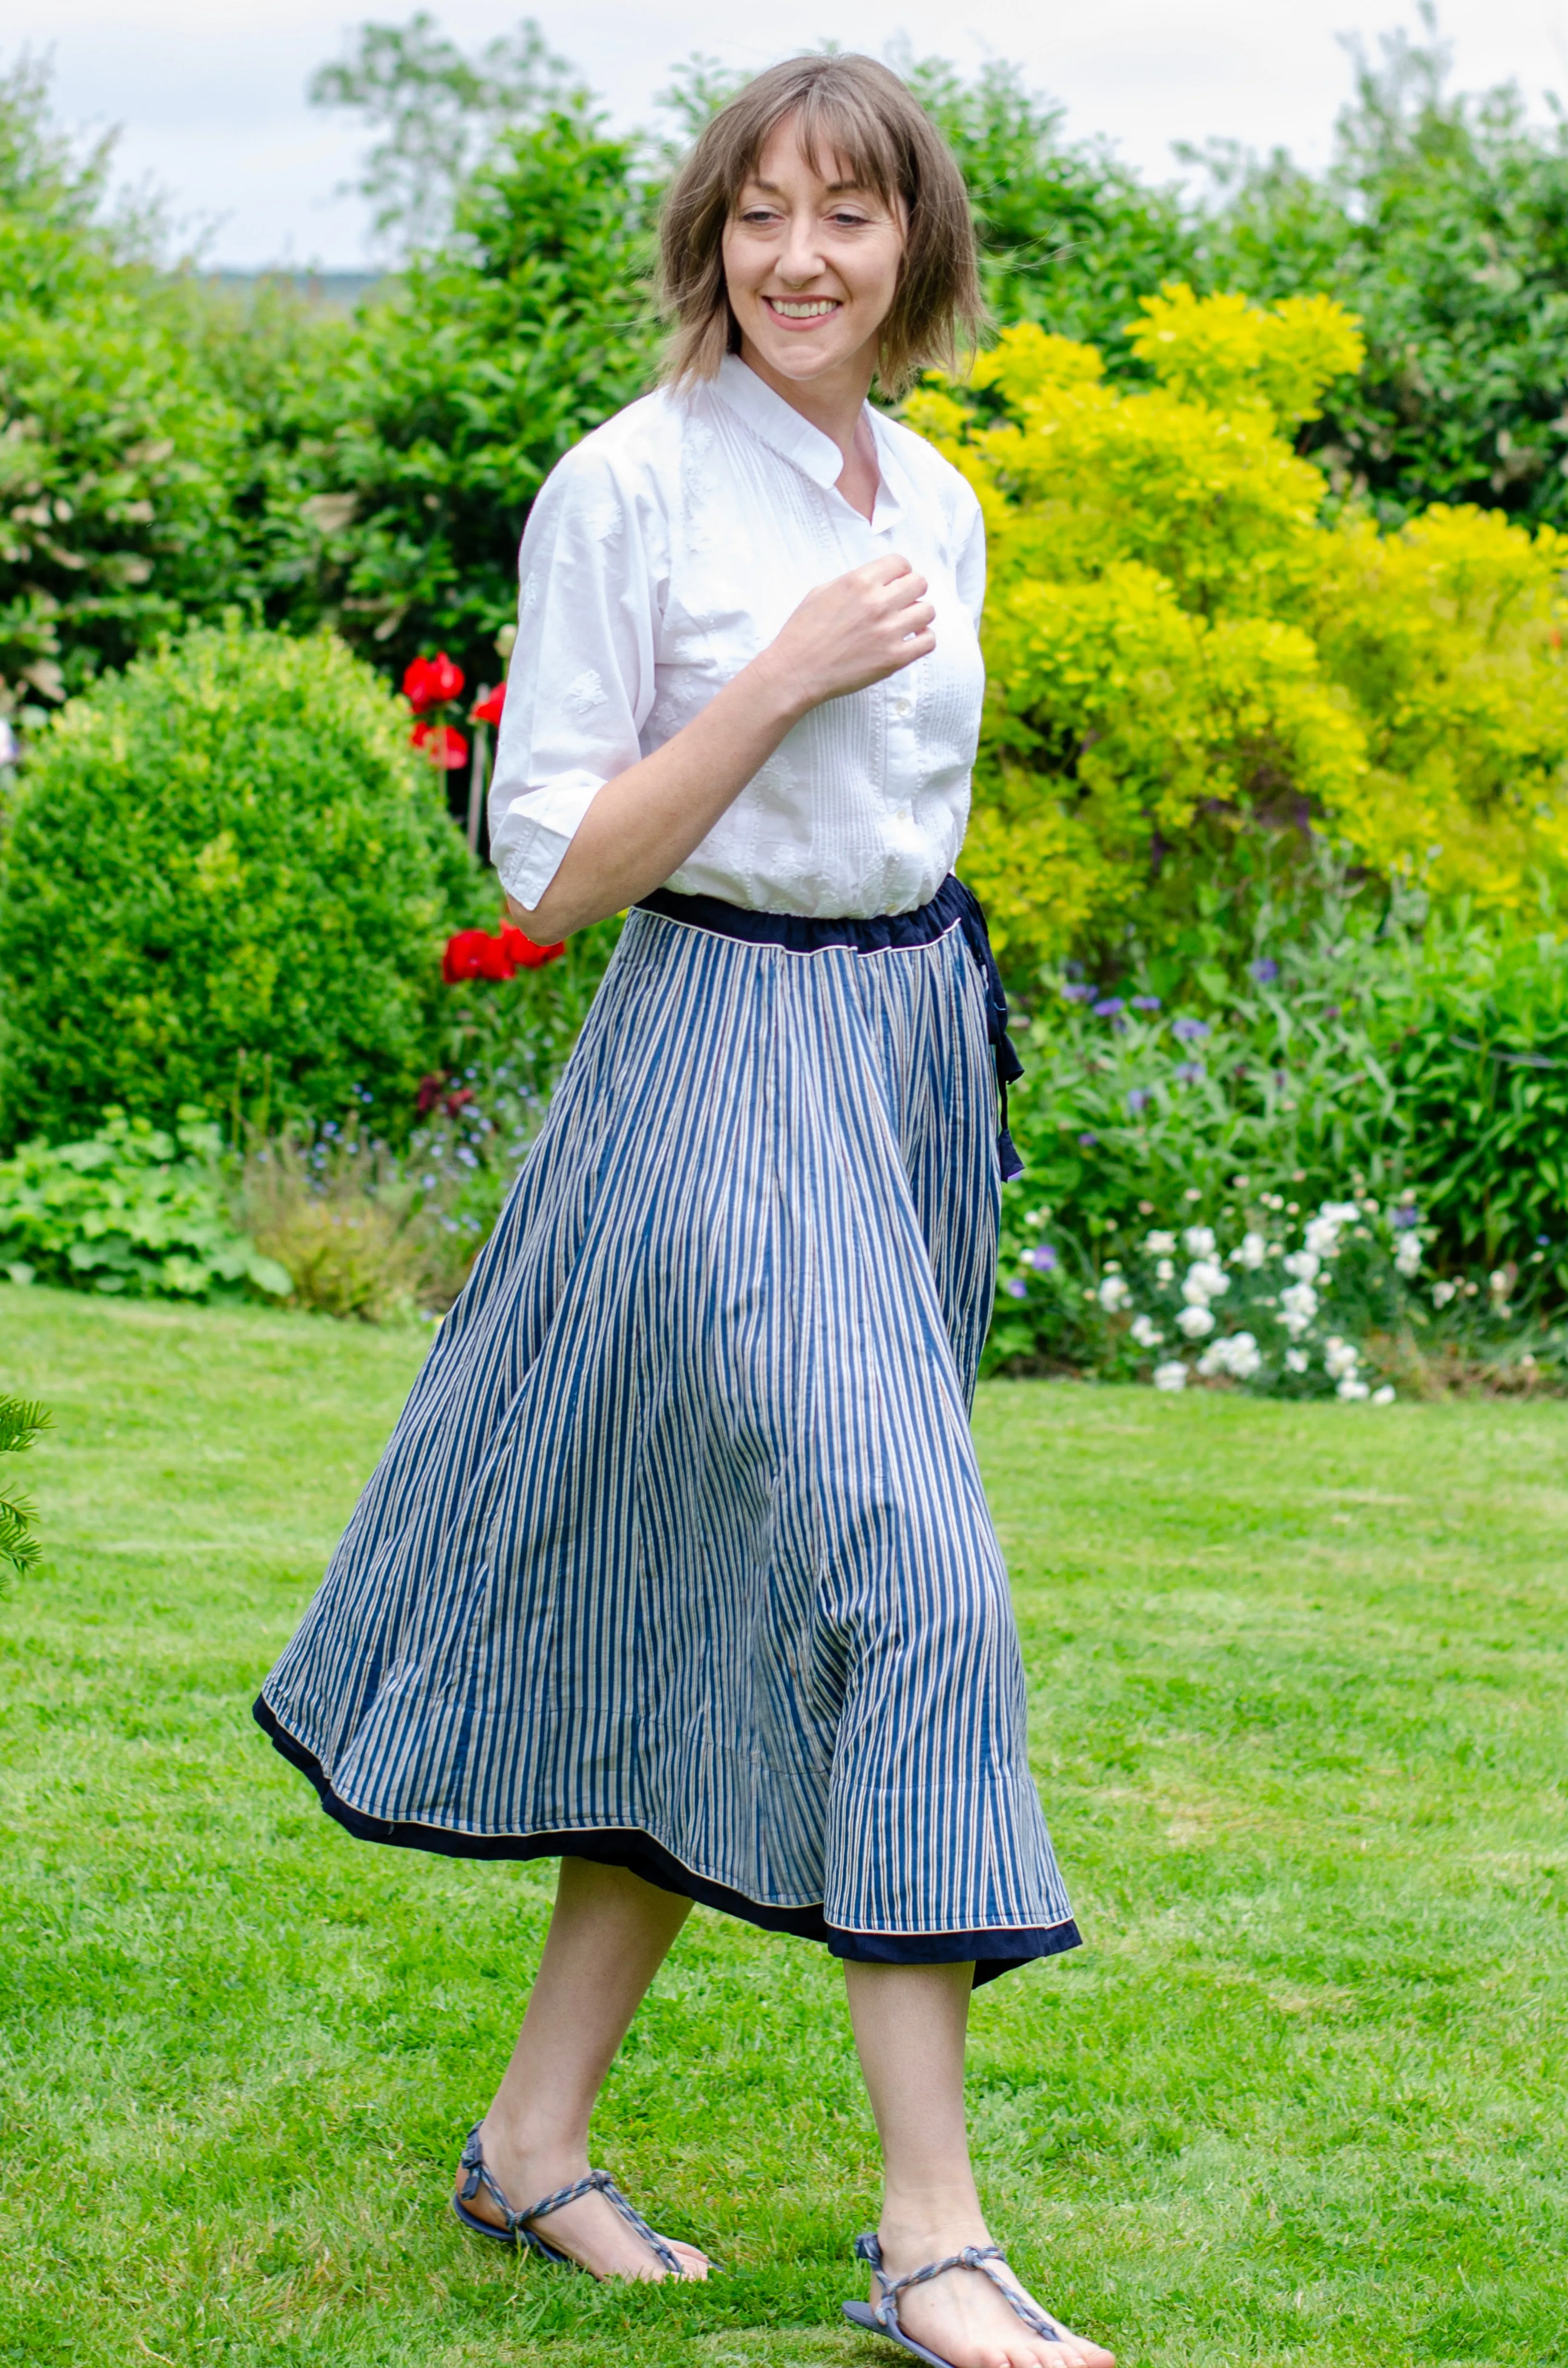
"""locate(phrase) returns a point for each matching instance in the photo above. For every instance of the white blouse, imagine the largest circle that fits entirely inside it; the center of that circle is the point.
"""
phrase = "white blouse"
(661, 556)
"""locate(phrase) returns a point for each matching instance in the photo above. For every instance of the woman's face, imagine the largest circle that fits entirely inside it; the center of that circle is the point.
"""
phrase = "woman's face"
(811, 265)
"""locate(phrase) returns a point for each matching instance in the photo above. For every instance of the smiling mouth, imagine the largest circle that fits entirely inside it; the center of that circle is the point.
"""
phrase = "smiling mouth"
(803, 308)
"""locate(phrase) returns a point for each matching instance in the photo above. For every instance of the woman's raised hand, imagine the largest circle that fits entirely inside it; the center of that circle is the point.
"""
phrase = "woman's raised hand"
(858, 629)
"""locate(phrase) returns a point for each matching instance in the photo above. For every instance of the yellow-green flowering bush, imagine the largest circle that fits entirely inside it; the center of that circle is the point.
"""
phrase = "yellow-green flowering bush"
(1188, 644)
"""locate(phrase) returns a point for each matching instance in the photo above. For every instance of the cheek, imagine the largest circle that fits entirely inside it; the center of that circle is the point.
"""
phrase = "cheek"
(740, 266)
(874, 276)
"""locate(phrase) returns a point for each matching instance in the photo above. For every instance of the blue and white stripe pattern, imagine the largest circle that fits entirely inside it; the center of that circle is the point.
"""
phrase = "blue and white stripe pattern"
(681, 1530)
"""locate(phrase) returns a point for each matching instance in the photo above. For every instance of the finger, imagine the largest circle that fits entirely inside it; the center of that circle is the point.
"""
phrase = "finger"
(886, 570)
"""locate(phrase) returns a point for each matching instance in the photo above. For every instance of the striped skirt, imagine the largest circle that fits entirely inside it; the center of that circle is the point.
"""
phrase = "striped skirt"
(678, 1557)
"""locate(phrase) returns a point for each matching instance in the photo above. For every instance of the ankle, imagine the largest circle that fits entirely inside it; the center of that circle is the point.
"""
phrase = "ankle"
(922, 2225)
(559, 2154)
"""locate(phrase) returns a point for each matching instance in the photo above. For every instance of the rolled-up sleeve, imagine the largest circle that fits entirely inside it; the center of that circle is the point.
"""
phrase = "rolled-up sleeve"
(581, 680)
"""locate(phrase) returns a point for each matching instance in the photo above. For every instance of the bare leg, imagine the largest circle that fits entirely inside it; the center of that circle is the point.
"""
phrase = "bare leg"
(909, 2028)
(608, 1938)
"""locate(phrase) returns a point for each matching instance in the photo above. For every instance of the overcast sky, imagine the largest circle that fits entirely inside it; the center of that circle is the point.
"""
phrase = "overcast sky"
(211, 102)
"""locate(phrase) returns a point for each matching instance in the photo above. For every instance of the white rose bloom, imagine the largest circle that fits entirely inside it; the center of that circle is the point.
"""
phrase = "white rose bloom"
(1297, 1360)
(1303, 1265)
(1159, 1244)
(1238, 1355)
(1164, 1272)
(1321, 1236)
(1205, 1281)
(1442, 1292)
(1339, 1212)
(1146, 1332)
(1407, 1255)
(1199, 1241)
(1351, 1388)
(1114, 1293)
(1195, 1322)
(1385, 1397)
(1298, 1305)
(1253, 1251)
(1170, 1377)
(1339, 1358)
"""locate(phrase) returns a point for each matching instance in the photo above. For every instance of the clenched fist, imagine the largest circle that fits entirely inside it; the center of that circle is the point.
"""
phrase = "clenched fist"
(858, 629)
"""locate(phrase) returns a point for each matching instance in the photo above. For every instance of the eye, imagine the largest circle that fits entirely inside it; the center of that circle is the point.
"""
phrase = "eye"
(844, 218)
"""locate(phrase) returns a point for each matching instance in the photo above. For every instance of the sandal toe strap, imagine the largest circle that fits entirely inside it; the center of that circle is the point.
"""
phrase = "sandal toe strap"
(973, 2257)
(479, 2174)
(600, 2182)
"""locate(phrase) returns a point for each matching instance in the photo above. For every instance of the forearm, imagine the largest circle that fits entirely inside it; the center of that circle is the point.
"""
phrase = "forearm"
(642, 825)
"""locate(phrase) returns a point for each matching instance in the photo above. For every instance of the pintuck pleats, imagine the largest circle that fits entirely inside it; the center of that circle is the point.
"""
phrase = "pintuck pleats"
(678, 1556)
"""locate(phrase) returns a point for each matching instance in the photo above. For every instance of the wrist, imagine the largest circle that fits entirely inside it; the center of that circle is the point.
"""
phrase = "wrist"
(781, 693)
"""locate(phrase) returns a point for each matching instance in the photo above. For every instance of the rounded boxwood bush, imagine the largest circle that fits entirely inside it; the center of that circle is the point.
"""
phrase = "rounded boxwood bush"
(227, 880)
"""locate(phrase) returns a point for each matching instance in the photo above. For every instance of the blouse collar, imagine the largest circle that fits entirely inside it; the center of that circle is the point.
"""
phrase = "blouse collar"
(781, 427)
(778, 423)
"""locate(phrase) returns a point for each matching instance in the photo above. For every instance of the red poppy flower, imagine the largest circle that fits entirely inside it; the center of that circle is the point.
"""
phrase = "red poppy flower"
(524, 953)
(443, 743)
(445, 677)
(417, 686)
(488, 710)
(473, 953)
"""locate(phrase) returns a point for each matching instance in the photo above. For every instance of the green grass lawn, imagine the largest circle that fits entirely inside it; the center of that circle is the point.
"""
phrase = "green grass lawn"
(1298, 1687)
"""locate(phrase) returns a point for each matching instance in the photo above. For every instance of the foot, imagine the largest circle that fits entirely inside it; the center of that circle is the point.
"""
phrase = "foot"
(963, 2319)
(590, 2232)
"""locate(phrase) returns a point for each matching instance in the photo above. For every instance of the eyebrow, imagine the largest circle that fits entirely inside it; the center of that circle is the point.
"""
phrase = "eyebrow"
(834, 189)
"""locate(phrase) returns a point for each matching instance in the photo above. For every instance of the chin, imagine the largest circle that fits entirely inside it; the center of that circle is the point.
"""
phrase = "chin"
(792, 358)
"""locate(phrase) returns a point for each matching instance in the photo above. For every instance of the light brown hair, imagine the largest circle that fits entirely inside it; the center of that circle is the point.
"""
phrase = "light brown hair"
(847, 107)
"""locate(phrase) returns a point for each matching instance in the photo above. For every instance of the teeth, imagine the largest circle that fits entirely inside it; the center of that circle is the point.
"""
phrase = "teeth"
(809, 311)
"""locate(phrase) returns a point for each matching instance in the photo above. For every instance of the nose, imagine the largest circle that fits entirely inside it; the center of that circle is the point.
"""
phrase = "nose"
(801, 259)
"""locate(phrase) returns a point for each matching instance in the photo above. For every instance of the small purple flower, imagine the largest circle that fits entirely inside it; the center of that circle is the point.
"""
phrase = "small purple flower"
(1331, 1010)
(1145, 1003)
(1187, 1072)
(1137, 1099)
(1405, 1218)
(1088, 1142)
(1265, 971)
(1016, 1287)
(1188, 1031)
(1076, 993)
(1042, 1257)
(1107, 1007)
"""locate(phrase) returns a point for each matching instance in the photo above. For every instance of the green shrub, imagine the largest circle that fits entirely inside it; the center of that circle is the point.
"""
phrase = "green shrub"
(227, 882)
(1477, 1054)
(123, 1212)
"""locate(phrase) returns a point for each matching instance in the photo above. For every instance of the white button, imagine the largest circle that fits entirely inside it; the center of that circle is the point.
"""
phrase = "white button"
(901, 707)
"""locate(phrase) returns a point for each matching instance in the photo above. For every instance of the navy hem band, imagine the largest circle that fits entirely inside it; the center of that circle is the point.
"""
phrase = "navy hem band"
(992, 1952)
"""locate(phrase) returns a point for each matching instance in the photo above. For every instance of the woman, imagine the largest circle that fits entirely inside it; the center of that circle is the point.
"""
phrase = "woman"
(678, 1565)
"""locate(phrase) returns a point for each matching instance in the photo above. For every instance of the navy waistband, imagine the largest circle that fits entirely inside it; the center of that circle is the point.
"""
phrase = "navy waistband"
(953, 906)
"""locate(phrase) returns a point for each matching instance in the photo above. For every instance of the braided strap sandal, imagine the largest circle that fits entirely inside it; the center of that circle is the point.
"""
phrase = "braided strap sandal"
(883, 2320)
(478, 2174)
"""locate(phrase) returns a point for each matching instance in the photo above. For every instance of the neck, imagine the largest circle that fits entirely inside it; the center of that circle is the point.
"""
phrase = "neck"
(833, 403)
